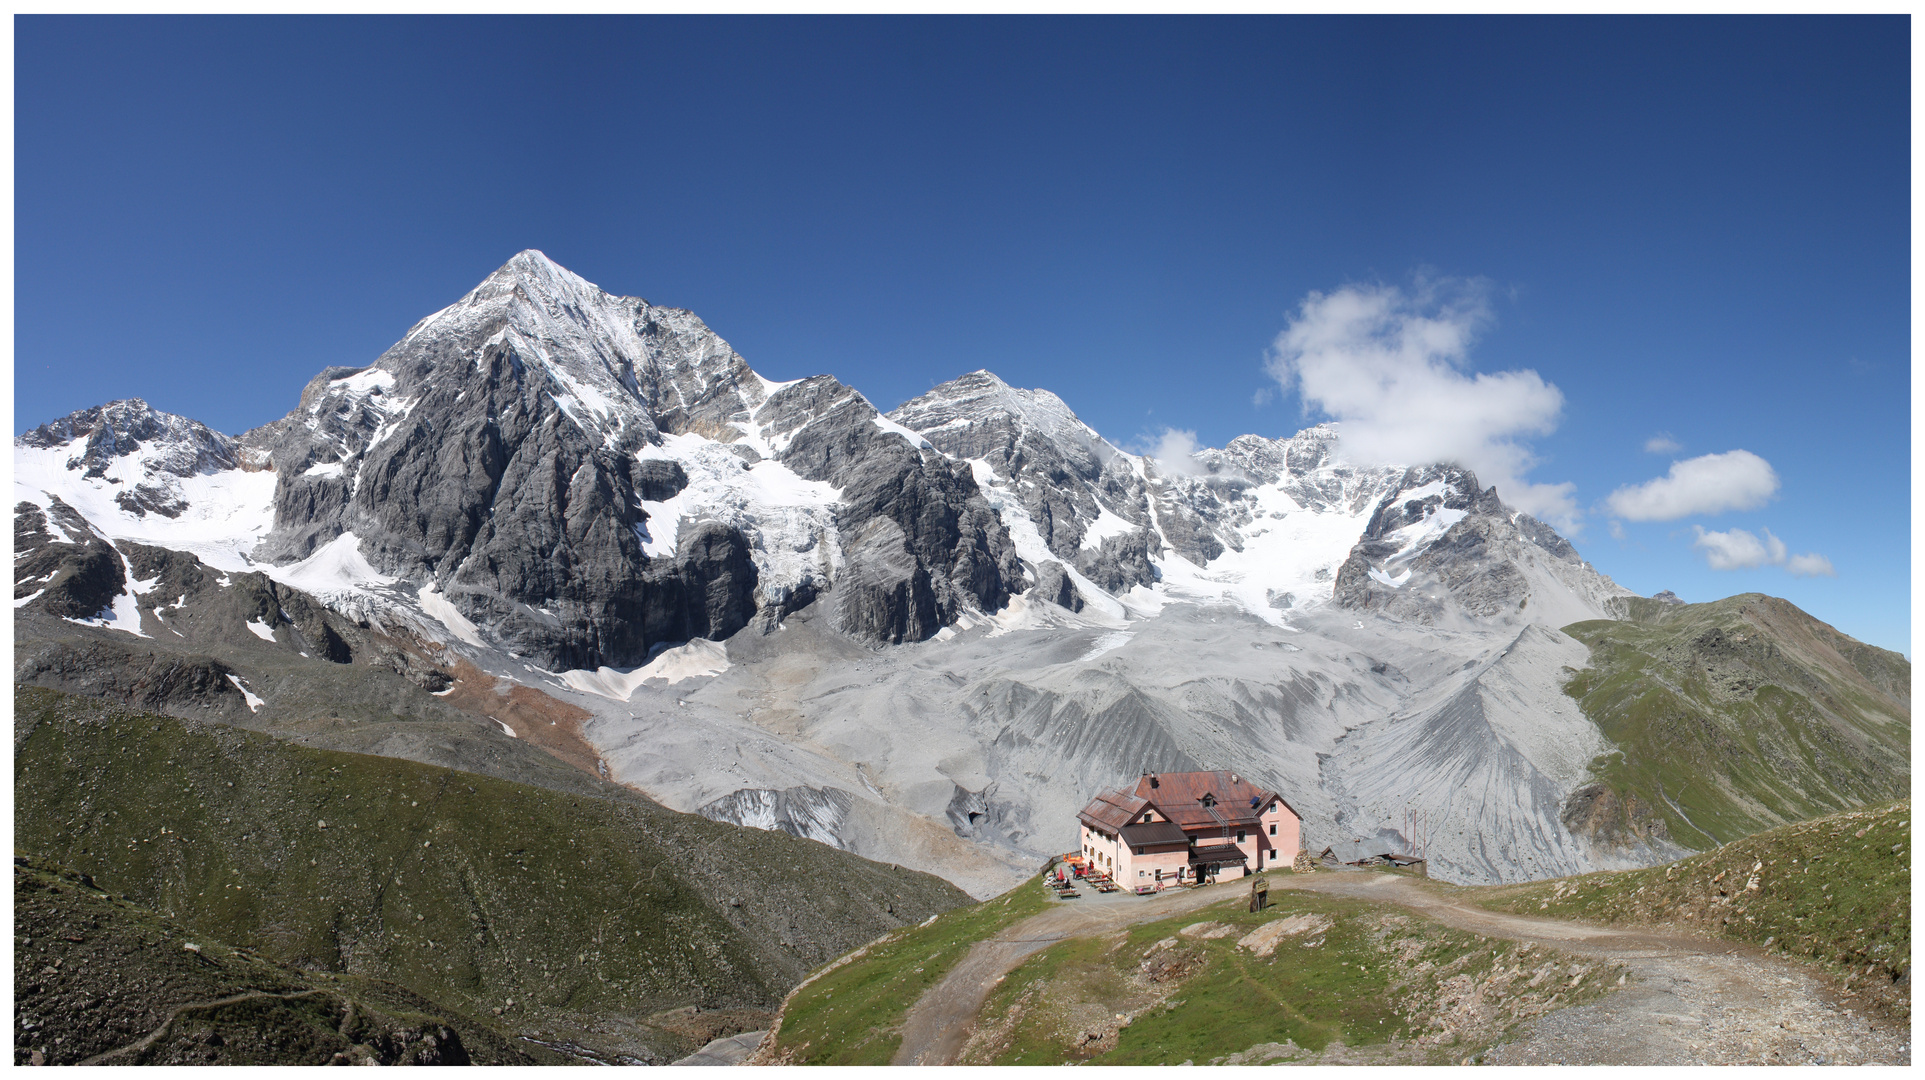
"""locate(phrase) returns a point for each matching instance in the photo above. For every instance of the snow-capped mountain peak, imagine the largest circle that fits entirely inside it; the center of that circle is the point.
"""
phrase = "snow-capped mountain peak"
(537, 455)
(162, 442)
(979, 414)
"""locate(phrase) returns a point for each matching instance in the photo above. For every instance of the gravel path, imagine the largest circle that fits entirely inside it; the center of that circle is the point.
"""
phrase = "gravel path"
(1692, 1001)
(940, 1021)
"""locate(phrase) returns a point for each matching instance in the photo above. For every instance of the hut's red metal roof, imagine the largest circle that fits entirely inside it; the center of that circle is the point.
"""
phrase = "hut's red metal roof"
(1153, 833)
(1181, 796)
(1112, 810)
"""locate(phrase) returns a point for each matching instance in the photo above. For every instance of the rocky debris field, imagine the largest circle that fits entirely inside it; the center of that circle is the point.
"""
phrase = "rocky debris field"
(1711, 1010)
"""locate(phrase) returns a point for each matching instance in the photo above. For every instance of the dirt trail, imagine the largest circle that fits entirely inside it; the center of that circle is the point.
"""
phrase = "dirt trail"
(1693, 1001)
(940, 1021)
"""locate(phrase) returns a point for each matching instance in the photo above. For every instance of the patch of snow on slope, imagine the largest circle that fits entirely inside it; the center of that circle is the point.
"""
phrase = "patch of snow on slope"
(367, 382)
(253, 703)
(1415, 537)
(335, 570)
(1396, 582)
(261, 630)
(1113, 640)
(1106, 525)
(789, 521)
(438, 608)
(1284, 549)
(891, 427)
(226, 513)
(696, 659)
(123, 616)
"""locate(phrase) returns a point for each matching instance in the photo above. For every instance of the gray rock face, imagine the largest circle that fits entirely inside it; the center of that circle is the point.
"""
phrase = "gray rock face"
(921, 544)
(146, 678)
(1055, 586)
(1440, 548)
(812, 813)
(76, 578)
(492, 455)
(1067, 475)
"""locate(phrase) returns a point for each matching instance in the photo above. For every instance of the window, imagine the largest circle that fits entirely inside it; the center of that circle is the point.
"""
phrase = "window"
(1273, 828)
(1273, 808)
(1240, 837)
(1139, 851)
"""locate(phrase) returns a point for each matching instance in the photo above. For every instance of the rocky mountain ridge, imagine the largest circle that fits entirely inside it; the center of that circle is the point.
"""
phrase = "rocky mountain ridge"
(924, 636)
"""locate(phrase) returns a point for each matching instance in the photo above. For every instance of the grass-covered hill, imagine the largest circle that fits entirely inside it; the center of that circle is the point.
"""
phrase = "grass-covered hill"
(1732, 717)
(579, 917)
(99, 980)
(1835, 891)
(1310, 980)
(852, 1013)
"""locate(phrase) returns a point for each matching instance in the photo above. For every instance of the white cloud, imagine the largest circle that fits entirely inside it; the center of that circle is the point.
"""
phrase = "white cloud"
(1262, 396)
(1712, 484)
(1811, 564)
(1174, 452)
(1662, 443)
(1738, 549)
(1388, 367)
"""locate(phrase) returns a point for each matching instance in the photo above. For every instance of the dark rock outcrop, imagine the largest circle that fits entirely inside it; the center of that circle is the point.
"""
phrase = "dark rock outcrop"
(1054, 585)
(75, 578)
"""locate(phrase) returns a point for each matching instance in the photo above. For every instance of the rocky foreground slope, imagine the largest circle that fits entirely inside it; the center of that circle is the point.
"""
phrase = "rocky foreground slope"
(101, 981)
(554, 517)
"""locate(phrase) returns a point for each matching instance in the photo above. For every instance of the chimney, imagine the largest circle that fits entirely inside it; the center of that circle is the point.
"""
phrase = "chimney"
(1152, 779)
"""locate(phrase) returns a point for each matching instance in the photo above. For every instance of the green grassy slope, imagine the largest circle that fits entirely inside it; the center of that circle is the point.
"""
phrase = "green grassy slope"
(1733, 717)
(577, 916)
(1360, 983)
(98, 977)
(852, 1014)
(1835, 891)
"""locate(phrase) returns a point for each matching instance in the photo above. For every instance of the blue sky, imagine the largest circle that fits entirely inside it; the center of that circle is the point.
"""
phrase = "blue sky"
(1695, 228)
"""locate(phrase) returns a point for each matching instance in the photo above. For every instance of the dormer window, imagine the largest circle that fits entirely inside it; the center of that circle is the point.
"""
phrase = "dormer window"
(1208, 799)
